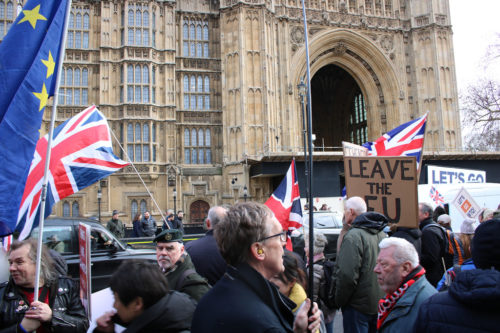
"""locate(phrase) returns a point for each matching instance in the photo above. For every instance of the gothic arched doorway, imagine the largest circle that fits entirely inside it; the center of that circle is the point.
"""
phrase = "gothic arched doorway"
(338, 108)
(198, 211)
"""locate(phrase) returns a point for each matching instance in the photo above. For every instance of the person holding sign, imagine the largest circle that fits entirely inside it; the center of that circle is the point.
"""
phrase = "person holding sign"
(18, 311)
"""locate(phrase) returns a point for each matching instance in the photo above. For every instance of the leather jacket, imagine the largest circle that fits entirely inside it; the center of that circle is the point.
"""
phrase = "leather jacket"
(68, 313)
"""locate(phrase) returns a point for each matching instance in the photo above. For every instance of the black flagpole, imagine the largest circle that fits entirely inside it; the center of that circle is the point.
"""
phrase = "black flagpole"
(310, 160)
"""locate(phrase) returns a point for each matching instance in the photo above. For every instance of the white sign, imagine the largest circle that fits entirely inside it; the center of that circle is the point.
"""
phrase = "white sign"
(443, 175)
(466, 204)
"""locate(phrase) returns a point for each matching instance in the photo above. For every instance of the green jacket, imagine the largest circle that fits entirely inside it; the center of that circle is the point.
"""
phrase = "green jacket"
(194, 284)
(355, 282)
(116, 227)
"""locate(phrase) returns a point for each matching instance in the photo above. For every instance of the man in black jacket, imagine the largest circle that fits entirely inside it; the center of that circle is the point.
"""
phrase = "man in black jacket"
(204, 251)
(472, 303)
(58, 309)
(433, 245)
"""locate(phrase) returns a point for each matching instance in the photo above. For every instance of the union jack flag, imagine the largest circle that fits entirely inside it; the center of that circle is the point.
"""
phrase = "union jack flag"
(404, 140)
(436, 196)
(81, 155)
(285, 203)
(7, 242)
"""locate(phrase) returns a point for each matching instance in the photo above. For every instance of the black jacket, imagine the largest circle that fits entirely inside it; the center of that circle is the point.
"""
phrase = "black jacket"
(68, 314)
(243, 301)
(433, 243)
(172, 313)
(206, 257)
(472, 304)
(412, 235)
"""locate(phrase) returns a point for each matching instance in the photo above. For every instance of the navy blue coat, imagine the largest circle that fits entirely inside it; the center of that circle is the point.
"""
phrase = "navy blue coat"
(206, 257)
(472, 304)
(243, 301)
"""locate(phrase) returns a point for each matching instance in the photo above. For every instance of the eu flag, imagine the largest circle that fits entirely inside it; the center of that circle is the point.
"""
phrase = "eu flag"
(29, 55)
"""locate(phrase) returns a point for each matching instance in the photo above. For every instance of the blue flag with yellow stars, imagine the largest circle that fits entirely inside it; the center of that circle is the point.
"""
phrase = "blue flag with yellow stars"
(29, 55)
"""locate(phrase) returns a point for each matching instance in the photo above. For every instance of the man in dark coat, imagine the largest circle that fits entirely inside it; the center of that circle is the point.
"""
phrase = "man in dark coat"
(204, 252)
(433, 245)
(116, 226)
(472, 303)
(412, 235)
(58, 308)
(176, 264)
(144, 301)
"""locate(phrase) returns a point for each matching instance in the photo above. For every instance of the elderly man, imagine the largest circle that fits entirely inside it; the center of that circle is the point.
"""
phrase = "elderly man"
(403, 280)
(357, 292)
(58, 309)
(177, 266)
(353, 207)
(204, 251)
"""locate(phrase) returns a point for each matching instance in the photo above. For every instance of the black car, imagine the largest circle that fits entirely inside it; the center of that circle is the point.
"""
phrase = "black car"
(107, 252)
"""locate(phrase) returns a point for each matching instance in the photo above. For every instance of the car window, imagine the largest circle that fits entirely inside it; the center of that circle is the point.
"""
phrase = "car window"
(99, 239)
(57, 238)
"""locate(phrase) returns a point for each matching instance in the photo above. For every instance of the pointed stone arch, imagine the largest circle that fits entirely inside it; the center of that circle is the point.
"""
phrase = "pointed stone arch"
(366, 63)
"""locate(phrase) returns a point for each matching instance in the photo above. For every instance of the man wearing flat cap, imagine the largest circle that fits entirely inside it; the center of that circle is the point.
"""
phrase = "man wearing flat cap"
(177, 266)
(116, 226)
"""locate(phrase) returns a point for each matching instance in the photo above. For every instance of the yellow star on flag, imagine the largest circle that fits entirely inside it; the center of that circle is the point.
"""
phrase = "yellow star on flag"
(50, 65)
(32, 16)
(42, 96)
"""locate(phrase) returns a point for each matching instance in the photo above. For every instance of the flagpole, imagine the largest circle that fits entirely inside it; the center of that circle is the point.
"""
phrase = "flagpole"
(419, 162)
(47, 156)
(139, 175)
(310, 160)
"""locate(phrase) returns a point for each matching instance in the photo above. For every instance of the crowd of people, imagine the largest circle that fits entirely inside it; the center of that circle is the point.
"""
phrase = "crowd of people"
(240, 278)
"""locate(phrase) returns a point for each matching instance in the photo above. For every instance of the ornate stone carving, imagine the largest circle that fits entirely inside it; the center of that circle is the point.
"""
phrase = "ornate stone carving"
(297, 35)
(339, 49)
(387, 43)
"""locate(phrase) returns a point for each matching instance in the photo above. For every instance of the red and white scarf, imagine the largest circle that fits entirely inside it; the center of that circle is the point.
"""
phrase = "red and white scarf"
(386, 304)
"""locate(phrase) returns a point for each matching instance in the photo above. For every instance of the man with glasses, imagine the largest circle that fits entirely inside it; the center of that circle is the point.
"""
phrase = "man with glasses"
(177, 266)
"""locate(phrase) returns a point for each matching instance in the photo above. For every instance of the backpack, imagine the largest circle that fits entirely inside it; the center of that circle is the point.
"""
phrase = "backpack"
(446, 245)
(326, 291)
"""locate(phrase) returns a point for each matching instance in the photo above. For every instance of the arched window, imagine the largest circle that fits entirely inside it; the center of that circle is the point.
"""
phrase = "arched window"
(130, 18)
(145, 133)
(2, 10)
(75, 209)
(69, 77)
(207, 84)
(207, 137)
(200, 84)
(145, 74)
(138, 18)
(185, 31)
(133, 208)
(144, 206)
(205, 32)
(193, 137)
(85, 77)
(78, 24)
(130, 133)
(130, 74)
(66, 209)
(77, 77)
(145, 21)
(86, 22)
(186, 83)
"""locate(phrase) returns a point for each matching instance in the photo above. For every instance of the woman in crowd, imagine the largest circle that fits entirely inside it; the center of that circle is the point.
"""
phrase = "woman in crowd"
(135, 225)
(292, 281)
(251, 241)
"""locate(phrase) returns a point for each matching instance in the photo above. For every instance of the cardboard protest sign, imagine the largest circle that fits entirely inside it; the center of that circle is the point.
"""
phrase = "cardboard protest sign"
(387, 184)
(466, 205)
(351, 149)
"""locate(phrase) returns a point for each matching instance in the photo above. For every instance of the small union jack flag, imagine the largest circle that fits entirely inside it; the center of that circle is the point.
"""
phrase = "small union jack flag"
(404, 140)
(436, 196)
(285, 202)
(6, 242)
(81, 155)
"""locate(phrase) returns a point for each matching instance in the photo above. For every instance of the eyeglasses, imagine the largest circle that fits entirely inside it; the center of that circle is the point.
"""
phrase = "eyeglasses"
(282, 236)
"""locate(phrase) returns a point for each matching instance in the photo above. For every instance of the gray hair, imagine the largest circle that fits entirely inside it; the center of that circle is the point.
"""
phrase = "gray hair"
(357, 204)
(488, 214)
(215, 214)
(425, 208)
(404, 251)
(320, 241)
(48, 274)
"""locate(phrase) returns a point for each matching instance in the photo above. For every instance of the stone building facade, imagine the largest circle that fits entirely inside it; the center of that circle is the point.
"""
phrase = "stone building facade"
(196, 91)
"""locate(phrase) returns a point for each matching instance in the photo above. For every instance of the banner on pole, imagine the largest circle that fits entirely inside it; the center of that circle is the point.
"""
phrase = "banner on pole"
(85, 267)
(387, 184)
